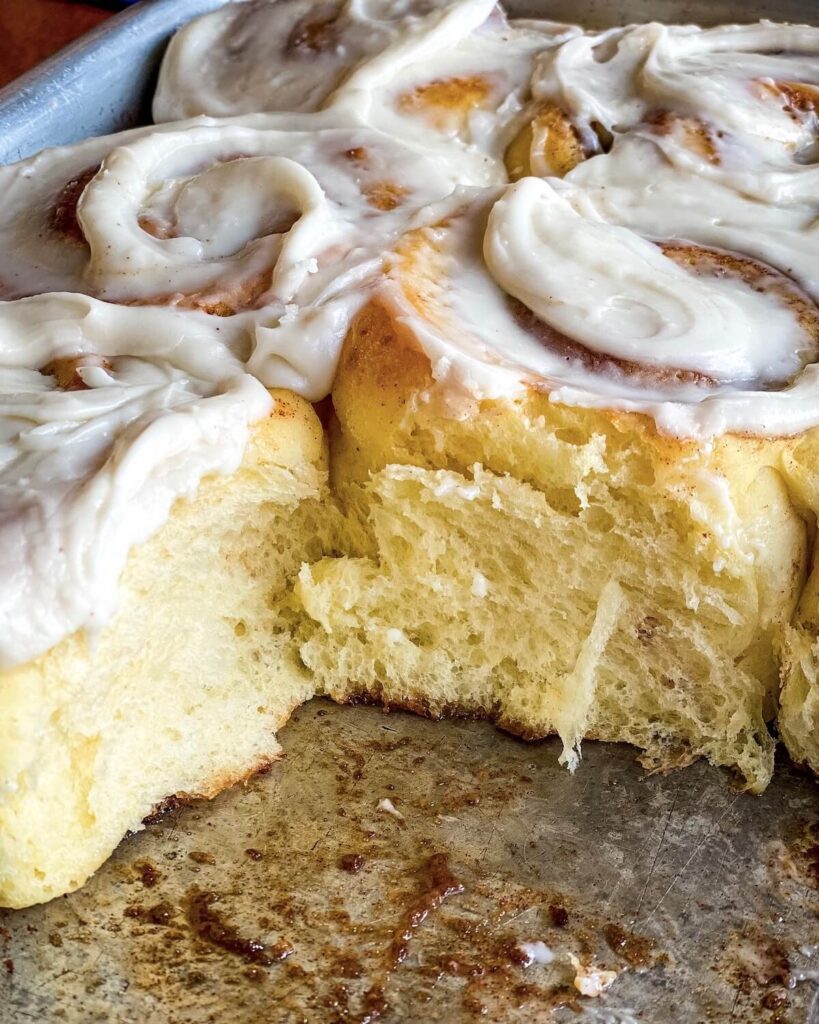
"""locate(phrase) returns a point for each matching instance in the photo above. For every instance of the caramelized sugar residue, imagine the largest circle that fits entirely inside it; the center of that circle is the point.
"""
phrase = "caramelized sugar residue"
(317, 32)
(209, 926)
(437, 885)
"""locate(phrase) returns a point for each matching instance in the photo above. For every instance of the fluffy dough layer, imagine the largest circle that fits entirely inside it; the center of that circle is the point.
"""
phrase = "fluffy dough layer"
(554, 569)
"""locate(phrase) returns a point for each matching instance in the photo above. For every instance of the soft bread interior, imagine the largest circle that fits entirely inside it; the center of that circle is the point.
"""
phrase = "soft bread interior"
(183, 692)
(555, 569)
(798, 717)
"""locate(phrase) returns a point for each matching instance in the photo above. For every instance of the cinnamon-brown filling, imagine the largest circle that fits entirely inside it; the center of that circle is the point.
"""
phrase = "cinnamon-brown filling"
(602, 363)
(317, 32)
(758, 276)
(65, 370)
(63, 218)
(798, 98)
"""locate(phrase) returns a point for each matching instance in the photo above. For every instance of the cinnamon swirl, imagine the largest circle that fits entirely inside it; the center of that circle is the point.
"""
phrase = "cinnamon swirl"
(425, 70)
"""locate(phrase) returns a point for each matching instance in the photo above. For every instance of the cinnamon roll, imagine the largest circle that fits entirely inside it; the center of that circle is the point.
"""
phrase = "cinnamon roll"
(200, 266)
(423, 70)
(562, 289)
(185, 213)
(602, 388)
(273, 55)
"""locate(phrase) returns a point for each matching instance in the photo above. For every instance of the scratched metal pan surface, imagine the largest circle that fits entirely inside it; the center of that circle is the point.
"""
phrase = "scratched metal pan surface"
(301, 897)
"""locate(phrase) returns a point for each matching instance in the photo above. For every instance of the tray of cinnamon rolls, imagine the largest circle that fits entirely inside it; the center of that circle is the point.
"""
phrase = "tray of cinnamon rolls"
(425, 354)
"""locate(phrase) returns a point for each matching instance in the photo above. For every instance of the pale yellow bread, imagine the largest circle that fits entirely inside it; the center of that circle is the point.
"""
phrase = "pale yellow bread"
(183, 691)
(548, 143)
(799, 700)
(552, 568)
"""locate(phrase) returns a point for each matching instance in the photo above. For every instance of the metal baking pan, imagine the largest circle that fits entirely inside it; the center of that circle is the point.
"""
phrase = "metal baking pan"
(101, 83)
(296, 899)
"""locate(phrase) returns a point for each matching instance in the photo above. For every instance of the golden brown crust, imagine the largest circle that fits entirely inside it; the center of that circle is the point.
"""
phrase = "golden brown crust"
(551, 138)
(383, 371)
(381, 351)
(445, 103)
(175, 803)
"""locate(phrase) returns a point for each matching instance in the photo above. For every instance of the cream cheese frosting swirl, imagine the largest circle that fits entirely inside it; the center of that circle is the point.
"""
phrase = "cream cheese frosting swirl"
(107, 416)
(674, 273)
(616, 292)
(756, 80)
(265, 56)
(525, 290)
(425, 70)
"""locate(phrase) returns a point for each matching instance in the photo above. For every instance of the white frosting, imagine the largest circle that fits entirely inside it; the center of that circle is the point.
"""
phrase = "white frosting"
(86, 474)
(675, 275)
(267, 55)
(34, 255)
(190, 266)
(725, 75)
(617, 293)
(367, 58)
